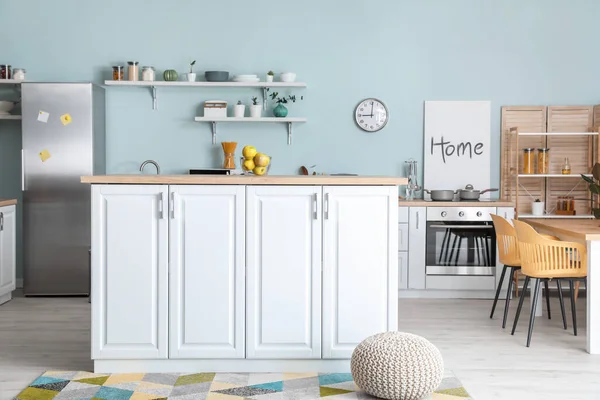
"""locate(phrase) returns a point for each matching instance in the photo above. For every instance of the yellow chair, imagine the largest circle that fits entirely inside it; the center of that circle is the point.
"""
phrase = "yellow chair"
(544, 259)
(508, 253)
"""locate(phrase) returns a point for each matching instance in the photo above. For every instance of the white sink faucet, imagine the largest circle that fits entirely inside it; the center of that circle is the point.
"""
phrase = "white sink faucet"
(150, 162)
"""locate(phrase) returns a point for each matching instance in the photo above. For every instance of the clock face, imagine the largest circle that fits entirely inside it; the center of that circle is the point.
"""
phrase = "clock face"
(371, 115)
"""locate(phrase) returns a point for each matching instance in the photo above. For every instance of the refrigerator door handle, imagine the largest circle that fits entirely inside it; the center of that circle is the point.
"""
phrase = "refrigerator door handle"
(22, 170)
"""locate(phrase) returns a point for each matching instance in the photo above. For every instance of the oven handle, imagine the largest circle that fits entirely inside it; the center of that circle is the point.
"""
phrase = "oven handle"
(463, 226)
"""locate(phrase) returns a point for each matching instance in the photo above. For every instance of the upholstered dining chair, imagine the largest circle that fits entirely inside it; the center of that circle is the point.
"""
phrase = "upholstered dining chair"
(508, 253)
(544, 259)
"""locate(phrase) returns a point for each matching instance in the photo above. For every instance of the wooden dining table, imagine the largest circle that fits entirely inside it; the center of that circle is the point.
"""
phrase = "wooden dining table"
(587, 232)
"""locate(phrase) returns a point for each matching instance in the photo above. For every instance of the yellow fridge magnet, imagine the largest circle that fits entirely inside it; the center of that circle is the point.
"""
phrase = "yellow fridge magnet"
(65, 119)
(45, 155)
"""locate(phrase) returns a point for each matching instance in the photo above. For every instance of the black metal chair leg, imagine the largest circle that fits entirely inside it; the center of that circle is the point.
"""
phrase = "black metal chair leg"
(498, 290)
(573, 310)
(487, 250)
(453, 247)
(525, 286)
(478, 250)
(562, 303)
(547, 298)
(535, 294)
(446, 238)
(457, 251)
(508, 294)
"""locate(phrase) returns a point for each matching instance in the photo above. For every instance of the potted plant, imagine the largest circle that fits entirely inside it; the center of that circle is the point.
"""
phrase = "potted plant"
(255, 108)
(537, 208)
(191, 76)
(594, 188)
(270, 76)
(281, 111)
(239, 110)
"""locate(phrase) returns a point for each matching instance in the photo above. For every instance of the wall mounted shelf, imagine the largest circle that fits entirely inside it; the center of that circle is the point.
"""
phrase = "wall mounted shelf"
(553, 175)
(214, 121)
(156, 84)
(11, 117)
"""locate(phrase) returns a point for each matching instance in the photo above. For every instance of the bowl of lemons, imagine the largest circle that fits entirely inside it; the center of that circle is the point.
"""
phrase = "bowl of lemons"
(255, 163)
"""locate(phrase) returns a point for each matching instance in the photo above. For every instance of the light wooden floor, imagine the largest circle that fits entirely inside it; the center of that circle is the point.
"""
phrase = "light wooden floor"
(39, 334)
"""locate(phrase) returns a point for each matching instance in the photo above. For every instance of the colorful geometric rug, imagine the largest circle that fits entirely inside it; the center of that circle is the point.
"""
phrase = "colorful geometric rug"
(71, 385)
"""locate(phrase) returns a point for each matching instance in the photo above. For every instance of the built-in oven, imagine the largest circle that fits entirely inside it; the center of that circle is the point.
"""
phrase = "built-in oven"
(460, 241)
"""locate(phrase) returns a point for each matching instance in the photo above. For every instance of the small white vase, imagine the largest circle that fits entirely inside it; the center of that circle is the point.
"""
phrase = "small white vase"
(191, 77)
(269, 78)
(256, 111)
(537, 208)
(239, 110)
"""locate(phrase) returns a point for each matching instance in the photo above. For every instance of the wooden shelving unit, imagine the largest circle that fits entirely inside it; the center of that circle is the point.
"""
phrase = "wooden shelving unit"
(215, 120)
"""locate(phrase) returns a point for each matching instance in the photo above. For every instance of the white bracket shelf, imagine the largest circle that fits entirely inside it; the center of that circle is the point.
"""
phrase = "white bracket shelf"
(214, 121)
(155, 84)
(11, 117)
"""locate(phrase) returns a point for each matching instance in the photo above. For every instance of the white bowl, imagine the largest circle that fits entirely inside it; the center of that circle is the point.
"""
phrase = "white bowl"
(287, 77)
(6, 106)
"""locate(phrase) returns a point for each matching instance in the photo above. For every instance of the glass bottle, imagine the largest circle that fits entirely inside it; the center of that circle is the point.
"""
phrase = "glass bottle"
(117, 73)
(566, 169)
(133, 71)
(542, 162)
(5, 71)
(148, 74)
(528, 164)
(18, 74)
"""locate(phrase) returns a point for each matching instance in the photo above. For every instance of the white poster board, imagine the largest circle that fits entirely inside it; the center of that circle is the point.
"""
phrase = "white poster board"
(457, 145)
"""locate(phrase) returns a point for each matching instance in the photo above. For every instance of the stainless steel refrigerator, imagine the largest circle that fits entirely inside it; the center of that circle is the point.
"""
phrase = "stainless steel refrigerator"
(63, 139)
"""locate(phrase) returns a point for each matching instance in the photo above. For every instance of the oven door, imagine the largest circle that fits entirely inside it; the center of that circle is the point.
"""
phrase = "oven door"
(461, 248)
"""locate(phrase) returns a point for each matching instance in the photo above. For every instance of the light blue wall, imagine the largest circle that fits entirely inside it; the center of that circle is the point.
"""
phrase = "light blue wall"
(401, 51)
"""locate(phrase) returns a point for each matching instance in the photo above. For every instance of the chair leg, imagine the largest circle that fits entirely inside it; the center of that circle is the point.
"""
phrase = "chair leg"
(487, 251)
(452, 251)
(577, 284)
(516, 279)
(547, 298)
(562, 303)
(478, 250)
(458, 251)
(507, 301)
(535, 294)
(525, 285)
(573, 310)
(498, 290)
(446, 238)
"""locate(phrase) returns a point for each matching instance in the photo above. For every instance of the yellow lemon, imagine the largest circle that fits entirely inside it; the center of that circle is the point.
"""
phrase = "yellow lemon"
(248, 165)
(261, 160)
(260, 170)
(249, 152)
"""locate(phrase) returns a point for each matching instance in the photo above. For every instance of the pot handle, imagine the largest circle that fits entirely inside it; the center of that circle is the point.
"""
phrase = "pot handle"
(427, 190)
(488, 190)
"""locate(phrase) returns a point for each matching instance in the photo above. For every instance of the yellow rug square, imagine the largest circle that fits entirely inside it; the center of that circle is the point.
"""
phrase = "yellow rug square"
(122, 378)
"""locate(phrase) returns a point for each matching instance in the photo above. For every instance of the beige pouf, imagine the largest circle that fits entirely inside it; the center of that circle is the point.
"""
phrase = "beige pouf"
(397, 366)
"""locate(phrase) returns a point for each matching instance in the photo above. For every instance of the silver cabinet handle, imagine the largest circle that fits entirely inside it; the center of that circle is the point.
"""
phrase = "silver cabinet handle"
(172, 205)
(22, 170)
(1, 221)
(161, 213)
(326, 206)
(315, 216)
(417, 220)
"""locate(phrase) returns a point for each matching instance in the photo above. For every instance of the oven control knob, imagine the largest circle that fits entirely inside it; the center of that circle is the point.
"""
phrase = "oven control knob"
(444, 213)
(479, 214)
(461, 214)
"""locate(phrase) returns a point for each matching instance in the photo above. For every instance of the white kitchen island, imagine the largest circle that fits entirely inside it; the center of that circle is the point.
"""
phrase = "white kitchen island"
(240, 274)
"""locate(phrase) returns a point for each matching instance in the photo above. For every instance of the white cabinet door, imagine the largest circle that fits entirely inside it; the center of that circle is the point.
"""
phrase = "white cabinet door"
(283, 231)
(402, 270)
(360, 266)
(416, 247)
(129, 271)
(207, 263)
(8, 241)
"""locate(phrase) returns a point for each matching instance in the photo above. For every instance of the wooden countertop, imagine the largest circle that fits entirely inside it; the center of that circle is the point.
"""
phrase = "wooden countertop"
(483, 203)
(7, 202)
(246, 180)
(582, 229)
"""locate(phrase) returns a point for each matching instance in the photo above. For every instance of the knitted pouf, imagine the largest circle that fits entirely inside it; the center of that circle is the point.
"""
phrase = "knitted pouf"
(397, 366)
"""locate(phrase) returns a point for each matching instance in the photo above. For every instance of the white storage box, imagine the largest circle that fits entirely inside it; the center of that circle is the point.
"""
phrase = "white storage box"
(215, 108)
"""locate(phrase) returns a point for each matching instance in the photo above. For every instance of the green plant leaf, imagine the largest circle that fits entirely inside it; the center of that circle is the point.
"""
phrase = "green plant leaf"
(587, 179)
(193, 63)
(595, 189)
(596, 212)
(596, 171)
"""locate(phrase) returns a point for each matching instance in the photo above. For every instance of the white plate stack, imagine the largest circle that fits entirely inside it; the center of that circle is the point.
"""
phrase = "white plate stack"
(246, 78)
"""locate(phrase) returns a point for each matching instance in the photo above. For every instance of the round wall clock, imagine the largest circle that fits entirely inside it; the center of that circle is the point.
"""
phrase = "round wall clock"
(371, 115)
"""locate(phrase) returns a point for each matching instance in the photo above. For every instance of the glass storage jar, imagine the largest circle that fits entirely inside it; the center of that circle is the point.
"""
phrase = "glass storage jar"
(148, 74)
(18, 74)
(542, 161)
(528, 163)
(118, 73)
(5, 71)
(133, 71)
